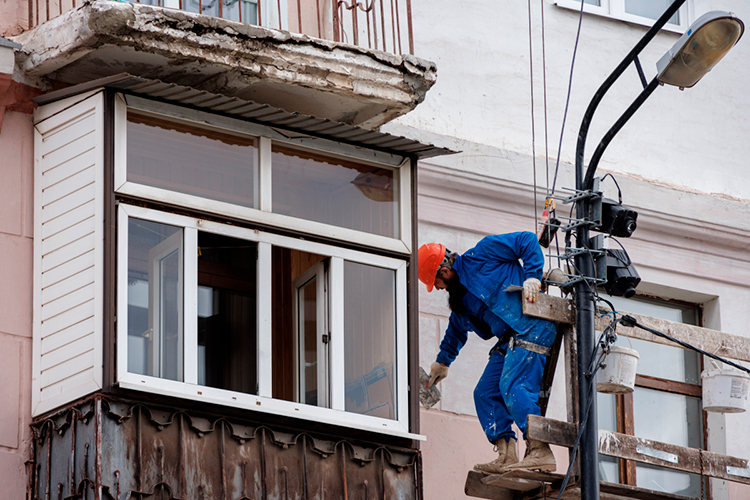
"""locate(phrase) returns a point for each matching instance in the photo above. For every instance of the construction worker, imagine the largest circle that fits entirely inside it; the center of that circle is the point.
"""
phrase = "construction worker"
(508, 390)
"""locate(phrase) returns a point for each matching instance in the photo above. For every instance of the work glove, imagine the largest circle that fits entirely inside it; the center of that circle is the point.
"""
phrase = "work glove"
(438, 371)
(531, 289)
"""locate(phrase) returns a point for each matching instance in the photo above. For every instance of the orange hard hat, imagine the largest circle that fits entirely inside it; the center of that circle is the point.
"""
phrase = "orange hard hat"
(431, 255)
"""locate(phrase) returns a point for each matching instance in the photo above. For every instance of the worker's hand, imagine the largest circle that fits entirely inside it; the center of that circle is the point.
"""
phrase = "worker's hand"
(531, 289)
(438, 371)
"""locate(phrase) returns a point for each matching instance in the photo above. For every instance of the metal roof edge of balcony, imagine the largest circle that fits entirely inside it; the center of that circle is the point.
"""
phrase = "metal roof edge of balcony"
(257, 112)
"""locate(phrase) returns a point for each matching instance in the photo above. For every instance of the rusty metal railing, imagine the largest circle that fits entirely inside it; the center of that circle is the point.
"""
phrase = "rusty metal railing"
(374, 24)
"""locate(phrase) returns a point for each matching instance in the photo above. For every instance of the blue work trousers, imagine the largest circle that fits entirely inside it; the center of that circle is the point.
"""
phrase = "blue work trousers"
(508, 390)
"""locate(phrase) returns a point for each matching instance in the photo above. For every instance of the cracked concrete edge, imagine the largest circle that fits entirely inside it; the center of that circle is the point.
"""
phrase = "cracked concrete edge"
(96, 23)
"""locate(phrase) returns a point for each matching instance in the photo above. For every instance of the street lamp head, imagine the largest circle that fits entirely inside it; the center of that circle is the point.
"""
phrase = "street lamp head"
(703, 45)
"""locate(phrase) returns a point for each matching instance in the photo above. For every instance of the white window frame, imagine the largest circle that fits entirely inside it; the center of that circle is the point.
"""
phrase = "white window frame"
(266, 136)
(615, 9)
(263, 402)
(318, 273)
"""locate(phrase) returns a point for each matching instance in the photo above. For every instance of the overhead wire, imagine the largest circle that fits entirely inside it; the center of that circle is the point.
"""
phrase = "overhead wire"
(533, 132)
(567, 99)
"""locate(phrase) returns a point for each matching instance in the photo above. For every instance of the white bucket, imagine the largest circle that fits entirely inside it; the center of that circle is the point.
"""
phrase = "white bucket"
(725, 390)
(617, 376)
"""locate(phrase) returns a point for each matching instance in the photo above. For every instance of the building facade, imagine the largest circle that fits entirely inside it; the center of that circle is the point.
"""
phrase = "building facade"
(686, 179)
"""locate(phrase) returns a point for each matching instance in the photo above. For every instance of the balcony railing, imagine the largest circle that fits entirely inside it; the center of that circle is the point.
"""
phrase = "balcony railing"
(374, 24)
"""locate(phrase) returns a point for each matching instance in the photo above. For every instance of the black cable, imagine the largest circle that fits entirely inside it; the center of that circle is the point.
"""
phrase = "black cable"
(619, 192)
(630, 321)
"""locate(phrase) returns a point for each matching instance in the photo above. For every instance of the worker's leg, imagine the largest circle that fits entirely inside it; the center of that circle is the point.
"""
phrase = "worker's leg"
(493, 414)
(521, 378)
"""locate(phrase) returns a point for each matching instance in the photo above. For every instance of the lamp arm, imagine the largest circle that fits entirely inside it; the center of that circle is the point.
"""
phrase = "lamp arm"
(606, 85)
(607, 138)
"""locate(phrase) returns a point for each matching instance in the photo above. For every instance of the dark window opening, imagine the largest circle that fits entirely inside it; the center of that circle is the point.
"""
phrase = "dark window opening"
(227, 326)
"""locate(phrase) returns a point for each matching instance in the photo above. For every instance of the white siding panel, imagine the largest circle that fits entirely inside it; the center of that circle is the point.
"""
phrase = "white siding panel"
(55, 208)
(86, 159)
(68, 225)
(70, 268)
(68, 335)
(65, 353)
(62, 288)
(82, 362)
(77, 130)
(70, 184)
(57, 394)
(66, 220)
(68, 252)
(72, 233)
(60, 323)
(68, 301)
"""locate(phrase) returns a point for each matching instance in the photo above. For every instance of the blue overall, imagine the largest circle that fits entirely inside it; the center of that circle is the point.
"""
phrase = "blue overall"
(508, 390)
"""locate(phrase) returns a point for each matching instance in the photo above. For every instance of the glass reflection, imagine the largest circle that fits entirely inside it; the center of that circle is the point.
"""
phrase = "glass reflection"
(335, 191)
(155, 298)
(181, 157)
(370, 339)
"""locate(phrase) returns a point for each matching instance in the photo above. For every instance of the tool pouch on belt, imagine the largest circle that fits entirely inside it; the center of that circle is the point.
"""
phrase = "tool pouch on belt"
(514, 342)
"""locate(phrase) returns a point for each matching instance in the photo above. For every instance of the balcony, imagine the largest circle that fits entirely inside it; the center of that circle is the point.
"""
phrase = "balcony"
(375, 24)
(345, 61)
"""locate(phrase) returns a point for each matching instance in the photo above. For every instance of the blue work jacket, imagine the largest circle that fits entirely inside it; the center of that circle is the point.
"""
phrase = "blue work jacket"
(486, 270)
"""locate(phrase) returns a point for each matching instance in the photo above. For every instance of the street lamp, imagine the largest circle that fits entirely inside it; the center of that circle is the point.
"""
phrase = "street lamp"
(706, 41)
(697, 51)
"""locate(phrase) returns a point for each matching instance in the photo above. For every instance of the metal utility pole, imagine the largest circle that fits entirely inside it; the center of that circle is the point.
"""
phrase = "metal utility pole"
(584, 260)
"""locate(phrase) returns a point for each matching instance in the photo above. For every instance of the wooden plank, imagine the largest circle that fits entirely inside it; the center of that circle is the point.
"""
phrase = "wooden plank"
(727, 345)
(475, 488)
(500, 481)
(555, 309)
(722, 344)
(613, 491)
(530, 475)
(506, 488)
(644, 450)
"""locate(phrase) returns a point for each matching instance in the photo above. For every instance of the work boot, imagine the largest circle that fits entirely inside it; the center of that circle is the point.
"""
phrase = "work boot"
(538, 457)
(506, 455)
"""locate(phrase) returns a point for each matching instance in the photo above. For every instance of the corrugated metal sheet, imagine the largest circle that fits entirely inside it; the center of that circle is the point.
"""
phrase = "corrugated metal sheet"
(132, 450)
(261, 113)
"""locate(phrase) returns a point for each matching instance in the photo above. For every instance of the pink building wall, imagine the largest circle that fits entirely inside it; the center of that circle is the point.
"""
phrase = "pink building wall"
(16, 211)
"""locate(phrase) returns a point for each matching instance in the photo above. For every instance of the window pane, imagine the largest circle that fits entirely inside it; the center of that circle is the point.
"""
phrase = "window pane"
(308, 338)
(180, 157)
(335, 191)
(287, 267)
(669, 418)
(227, 331)
(652, 9)
(606, 411)
(370, 338)
(598, 3)
(231, 10)
(659, 360)
(155, 299)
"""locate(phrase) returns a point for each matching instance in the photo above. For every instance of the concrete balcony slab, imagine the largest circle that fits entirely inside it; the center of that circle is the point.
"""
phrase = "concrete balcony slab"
(332, 80)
